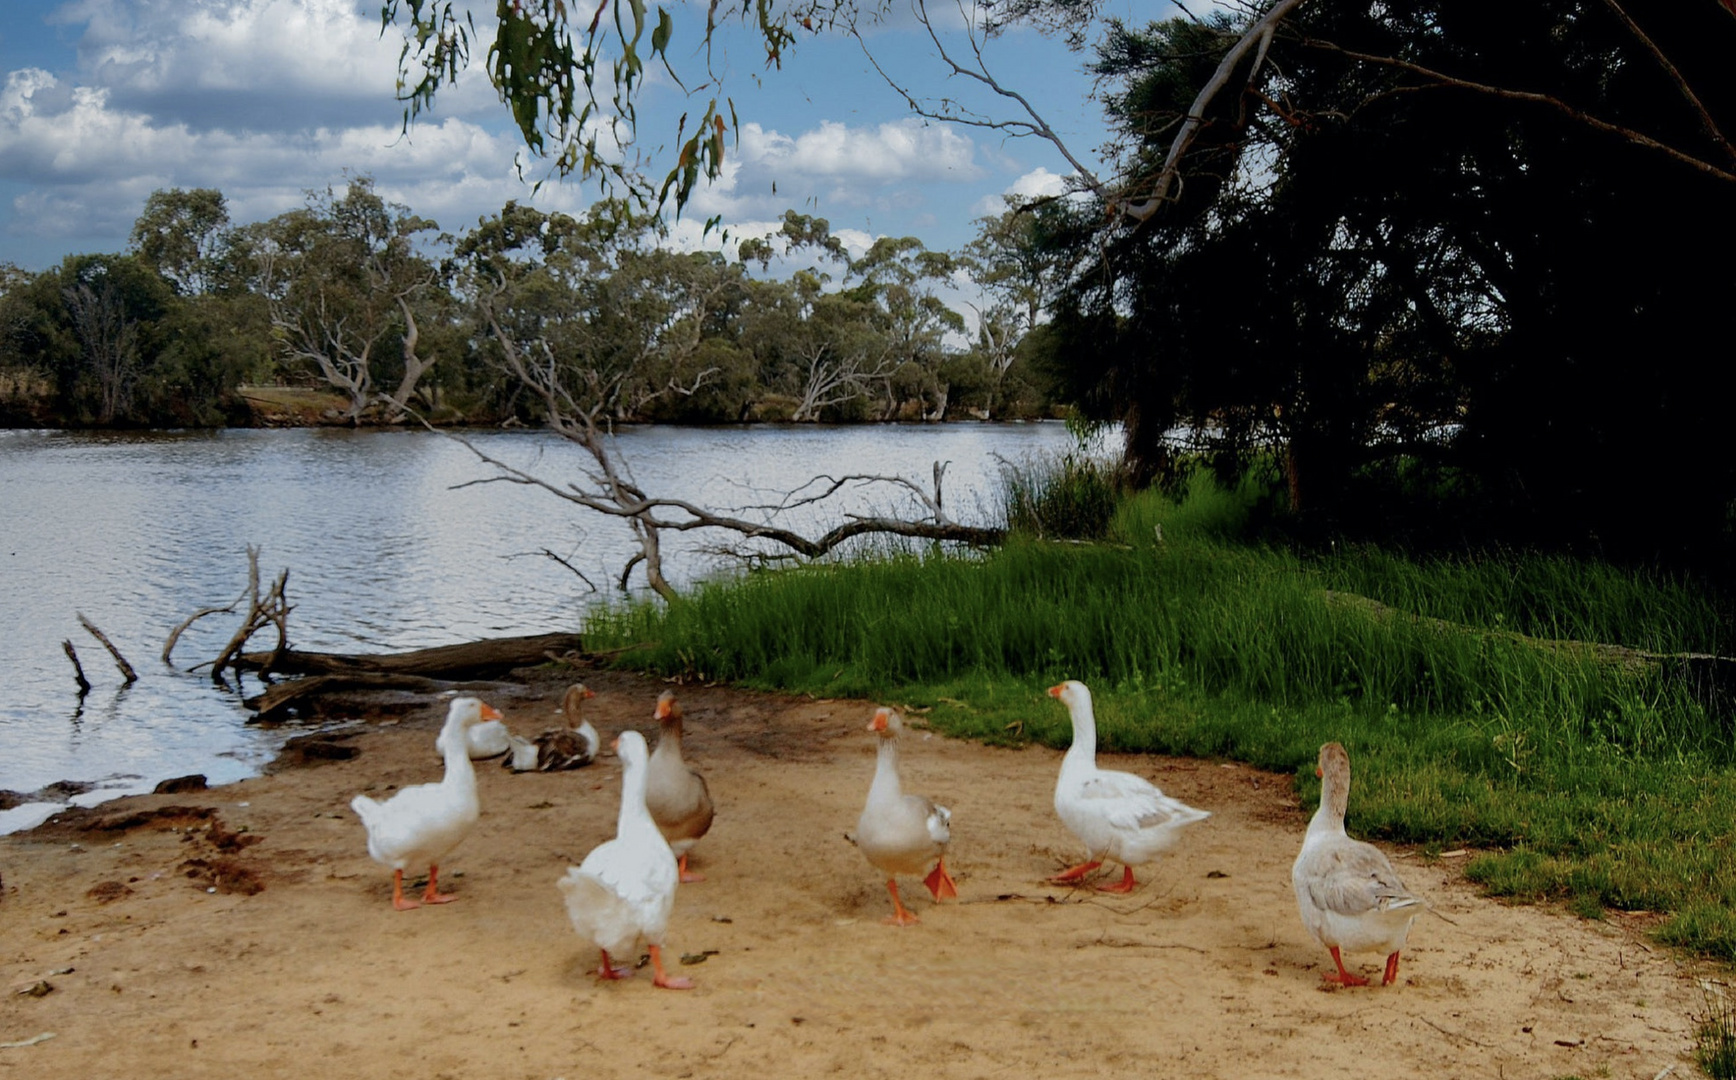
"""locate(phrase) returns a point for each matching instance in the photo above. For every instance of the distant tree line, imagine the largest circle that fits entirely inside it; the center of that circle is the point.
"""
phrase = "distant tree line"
(360, 296)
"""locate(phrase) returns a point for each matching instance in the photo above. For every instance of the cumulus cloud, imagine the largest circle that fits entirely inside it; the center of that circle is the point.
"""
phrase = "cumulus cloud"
(1037, 183)
(837, 167)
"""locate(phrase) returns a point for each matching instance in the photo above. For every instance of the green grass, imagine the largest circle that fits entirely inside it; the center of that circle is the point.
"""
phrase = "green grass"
(1596, 783)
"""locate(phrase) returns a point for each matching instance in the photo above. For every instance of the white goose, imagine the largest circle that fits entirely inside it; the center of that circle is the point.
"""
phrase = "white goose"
(625, 888)
(481, 741)
(899, 833)
(421, 824)
(569, 747)
(1349, 895)
(679, 800)
(1118, 815)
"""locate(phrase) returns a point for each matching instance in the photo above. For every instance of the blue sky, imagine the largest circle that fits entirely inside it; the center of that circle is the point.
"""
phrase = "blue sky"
(105, 101)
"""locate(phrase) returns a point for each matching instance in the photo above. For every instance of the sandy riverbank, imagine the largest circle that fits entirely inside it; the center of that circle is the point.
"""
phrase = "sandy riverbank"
(297, 965)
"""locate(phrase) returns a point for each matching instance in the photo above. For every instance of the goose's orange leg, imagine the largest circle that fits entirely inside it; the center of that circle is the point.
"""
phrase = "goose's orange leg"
(899, 916)
(1391, 970)
(398, 900)
(610, 971)
(665, 981)
(431, 895)
(1076, 874)
(939, 882)
(1125, 885)
(686, 878)
(1343, 978)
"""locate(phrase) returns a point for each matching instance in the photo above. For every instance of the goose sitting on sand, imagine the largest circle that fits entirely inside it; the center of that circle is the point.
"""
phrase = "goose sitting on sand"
(899, 833)
(625, 888)
(421, 824)
(1349, 895)
(1118, 815)
(490, 738)
(570, 747)
(679, 801)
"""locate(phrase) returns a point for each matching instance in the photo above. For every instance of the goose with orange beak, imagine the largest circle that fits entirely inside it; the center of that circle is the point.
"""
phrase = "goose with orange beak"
(1347, 891)
(679, 800)
(623, 892)
(899, 833)
(1118, 815)
(420, 824)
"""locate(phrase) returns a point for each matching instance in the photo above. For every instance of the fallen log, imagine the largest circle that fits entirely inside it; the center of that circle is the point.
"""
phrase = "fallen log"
(284, 698)
(469, 660)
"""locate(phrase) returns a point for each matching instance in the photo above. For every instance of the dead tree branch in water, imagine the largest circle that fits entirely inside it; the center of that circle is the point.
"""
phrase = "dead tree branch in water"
(77, 668)
(127, 671)
(612, 492)
(270, 610)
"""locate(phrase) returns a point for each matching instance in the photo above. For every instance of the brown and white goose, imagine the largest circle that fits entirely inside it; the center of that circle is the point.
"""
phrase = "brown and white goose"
(899, 833)
(572, 746)
(1347, 891)
(677, 797)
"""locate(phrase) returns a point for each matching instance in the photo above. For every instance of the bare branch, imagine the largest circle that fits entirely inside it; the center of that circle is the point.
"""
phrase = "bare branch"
(1442, 80)
(1257, 36)
(953, 112)
(127, 671)
(1707, 124)
(77, 668)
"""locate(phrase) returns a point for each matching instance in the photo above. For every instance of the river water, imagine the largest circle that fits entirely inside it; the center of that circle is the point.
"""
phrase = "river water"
(393, 540)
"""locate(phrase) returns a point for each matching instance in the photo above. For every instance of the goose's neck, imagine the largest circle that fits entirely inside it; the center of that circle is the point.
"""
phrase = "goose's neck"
(886, 785)
(1083, 752)
(634, 816)
(1328, 820)
(460, 773)
(669, 740)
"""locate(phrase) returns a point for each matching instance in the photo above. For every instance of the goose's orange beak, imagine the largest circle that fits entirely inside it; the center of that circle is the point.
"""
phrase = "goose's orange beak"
(1318, 774)
(1055, 691)
(615, 744)
(589, 693)
(489, 712)
(662, 711)
(879, 721)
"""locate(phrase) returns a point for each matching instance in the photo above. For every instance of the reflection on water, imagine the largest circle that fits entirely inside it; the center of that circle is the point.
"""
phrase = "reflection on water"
(384, 551)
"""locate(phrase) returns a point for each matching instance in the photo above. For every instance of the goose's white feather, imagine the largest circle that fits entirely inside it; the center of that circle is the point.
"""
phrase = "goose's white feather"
(1116, 814)
(624, 889)
(418, 825)
(1347, 891)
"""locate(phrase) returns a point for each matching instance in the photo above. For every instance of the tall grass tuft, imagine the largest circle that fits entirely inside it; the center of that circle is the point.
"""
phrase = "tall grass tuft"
(1070, 497)
(1716, 1035)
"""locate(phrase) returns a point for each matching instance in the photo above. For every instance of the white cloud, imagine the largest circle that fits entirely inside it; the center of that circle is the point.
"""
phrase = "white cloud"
(1034, 184)
(835, 167)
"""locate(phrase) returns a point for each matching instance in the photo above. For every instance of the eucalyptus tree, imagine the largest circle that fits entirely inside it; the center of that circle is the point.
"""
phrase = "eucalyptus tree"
(182, 235)
(902, 279)
(347, 288)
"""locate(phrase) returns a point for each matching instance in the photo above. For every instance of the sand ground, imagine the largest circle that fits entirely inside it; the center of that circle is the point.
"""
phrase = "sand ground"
(250, 935)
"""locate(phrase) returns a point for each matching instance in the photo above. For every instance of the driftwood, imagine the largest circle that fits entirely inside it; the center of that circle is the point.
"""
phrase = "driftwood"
(77, 668)
(281, 699)
(469, 660)
(127, 671)
(423, 671)
(270, 610)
